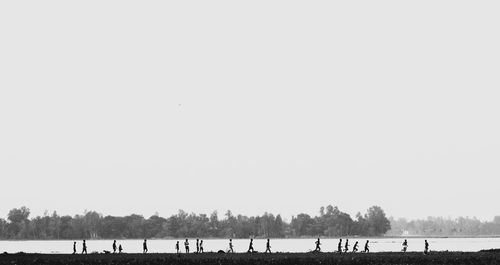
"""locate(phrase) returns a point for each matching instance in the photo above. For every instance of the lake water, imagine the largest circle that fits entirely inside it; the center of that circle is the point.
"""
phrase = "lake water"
(241, 245)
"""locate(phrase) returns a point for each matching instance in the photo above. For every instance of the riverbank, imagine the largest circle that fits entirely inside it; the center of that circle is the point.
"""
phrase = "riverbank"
(388, 258)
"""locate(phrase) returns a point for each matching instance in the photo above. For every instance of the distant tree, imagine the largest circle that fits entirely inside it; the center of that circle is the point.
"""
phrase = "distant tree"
(3, 229)
(398, 227)
(55, 225)
(114, 227)
(18, 215)
(278, 227)
(153, 226)
(378, 224)
(301, 225)
(229, 225)
(214, 224)
(245, 226)
(171, 227)
(134, 226)
(330, 222)
(330, 210)
(78, 227)
(265, 224)
(361, 225)
(198, 225)
(321, 211)
(18, 218)
(92, 222)
(65, 228)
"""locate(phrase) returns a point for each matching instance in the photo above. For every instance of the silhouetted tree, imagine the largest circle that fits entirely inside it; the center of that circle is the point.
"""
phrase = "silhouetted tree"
(331, 222)
(301, 225)
(378, 224)
(18, 218)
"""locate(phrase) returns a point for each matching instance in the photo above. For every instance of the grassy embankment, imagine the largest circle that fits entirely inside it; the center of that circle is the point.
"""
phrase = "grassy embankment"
(463, 258)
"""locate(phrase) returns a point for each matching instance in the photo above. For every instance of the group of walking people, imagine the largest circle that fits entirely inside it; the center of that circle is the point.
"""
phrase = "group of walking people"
(341, 248)
(405, 246)
(199, 246)
(119, 248)
(250, 247)
(346, 246)
(367, 248)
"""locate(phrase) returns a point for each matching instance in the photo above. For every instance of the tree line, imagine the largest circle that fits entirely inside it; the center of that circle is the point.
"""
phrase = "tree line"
(330, 222)
(439, 226)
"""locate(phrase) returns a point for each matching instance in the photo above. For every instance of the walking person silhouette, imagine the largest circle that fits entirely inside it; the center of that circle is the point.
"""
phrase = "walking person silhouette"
(318, 243)
(268, 246)
(114, 246)
(74, 247)
(120, 249)
(144, 247)
(197, 245)
(339, 246)
(355, 248)
(367, 250)
(346, 246)
(186, 245)
(426, 249)
(201, 246)
(405, 246)
(177, 247)
(84, 247)
(231, 245)
(250, 248)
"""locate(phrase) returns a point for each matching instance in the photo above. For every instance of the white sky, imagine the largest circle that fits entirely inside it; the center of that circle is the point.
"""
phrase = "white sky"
(280, 106)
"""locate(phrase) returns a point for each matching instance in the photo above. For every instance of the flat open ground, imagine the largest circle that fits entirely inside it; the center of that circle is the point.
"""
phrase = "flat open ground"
(475, 258)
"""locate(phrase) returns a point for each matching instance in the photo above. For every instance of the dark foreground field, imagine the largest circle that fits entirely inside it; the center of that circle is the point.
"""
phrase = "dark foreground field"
(256, 258)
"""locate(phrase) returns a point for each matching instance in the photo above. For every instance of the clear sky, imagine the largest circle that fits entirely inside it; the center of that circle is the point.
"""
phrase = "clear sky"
(280, 106)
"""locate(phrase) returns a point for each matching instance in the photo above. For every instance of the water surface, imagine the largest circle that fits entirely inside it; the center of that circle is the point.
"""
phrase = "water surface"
(241, 245)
